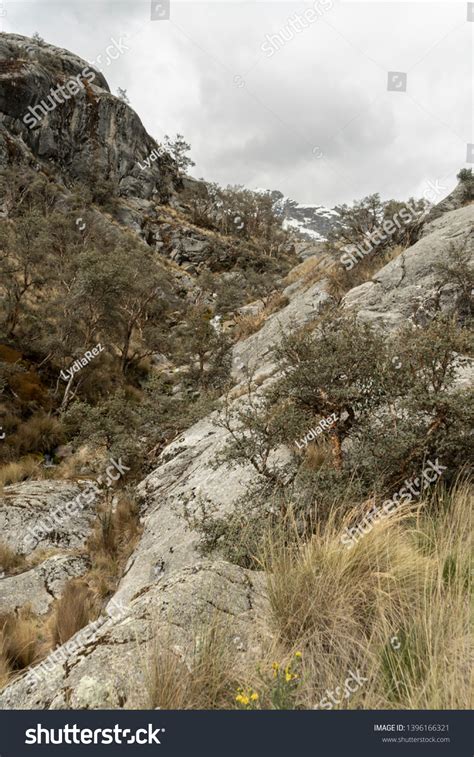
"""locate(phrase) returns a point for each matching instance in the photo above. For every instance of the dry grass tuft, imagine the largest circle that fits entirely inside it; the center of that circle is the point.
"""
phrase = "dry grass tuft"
(38, 434)
(76, 608)
(111, 543)
(249, 324)
(4, 667)
(19, 641)
(13, 473)
(341, 280)
(10, 561)
(206, 682)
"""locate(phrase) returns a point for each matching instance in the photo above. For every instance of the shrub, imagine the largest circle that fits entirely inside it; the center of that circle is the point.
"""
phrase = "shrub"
(465, 175)
(368, 216)
(39, 434)
(236, 536)
(340, 368)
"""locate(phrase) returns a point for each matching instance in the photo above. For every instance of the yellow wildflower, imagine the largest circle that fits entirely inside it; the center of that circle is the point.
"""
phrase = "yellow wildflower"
(242, 699)
(254, 697)
(298, 655)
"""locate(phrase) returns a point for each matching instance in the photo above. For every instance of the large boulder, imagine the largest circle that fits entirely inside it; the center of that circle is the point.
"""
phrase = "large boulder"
(411, 286)
(38, 587)
(104, 665)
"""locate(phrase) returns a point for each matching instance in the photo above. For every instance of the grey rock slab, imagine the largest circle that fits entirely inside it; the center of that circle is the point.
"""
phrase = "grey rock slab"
(254, 353)
(38, 587)
(106, 666)
(27, 506)
(184, 477)
(410, 285)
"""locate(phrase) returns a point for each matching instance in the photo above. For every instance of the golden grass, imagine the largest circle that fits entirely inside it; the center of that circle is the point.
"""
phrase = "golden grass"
(71, 467)
(206, 681)
(394, 606)
(4, 666)
(111, 543)
(309, 271)
(10, 561)
(12, 473)
(246, 325)
(341, 280)
(19, 641)
(76, 608)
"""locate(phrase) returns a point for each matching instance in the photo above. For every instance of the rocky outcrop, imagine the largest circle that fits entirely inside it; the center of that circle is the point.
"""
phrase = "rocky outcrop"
(85, 133)
(45, 514)
(411, 286)
(105, 665)
(38, 587)
(254, 354)
(458, 198)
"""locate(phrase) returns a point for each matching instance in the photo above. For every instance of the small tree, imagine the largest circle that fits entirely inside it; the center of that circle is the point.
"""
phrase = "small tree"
(362, 224)
(122, 95)
(339, 369)
(465, 175)
(466, 179)
(38, 39)
(178, 148)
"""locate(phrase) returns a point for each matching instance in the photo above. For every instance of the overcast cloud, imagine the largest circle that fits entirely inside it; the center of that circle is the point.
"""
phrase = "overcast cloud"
(265, 121)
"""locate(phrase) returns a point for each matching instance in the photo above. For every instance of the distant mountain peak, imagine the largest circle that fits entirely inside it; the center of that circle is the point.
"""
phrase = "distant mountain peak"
(308, 221)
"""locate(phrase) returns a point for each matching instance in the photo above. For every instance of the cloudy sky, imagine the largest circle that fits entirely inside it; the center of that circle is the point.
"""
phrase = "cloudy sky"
(313, 118)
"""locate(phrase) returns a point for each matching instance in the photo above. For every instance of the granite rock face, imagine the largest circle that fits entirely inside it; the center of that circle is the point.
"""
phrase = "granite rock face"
(458, 198)
(89, 136)
(411, 285)
(41, 585)
(104, 666)
(25, 515)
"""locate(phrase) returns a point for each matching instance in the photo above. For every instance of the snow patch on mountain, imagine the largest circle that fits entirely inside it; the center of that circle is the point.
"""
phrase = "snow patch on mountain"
(312, 222)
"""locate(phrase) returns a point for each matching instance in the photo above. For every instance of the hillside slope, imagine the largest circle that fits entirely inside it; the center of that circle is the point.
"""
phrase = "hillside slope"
(387, 360)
